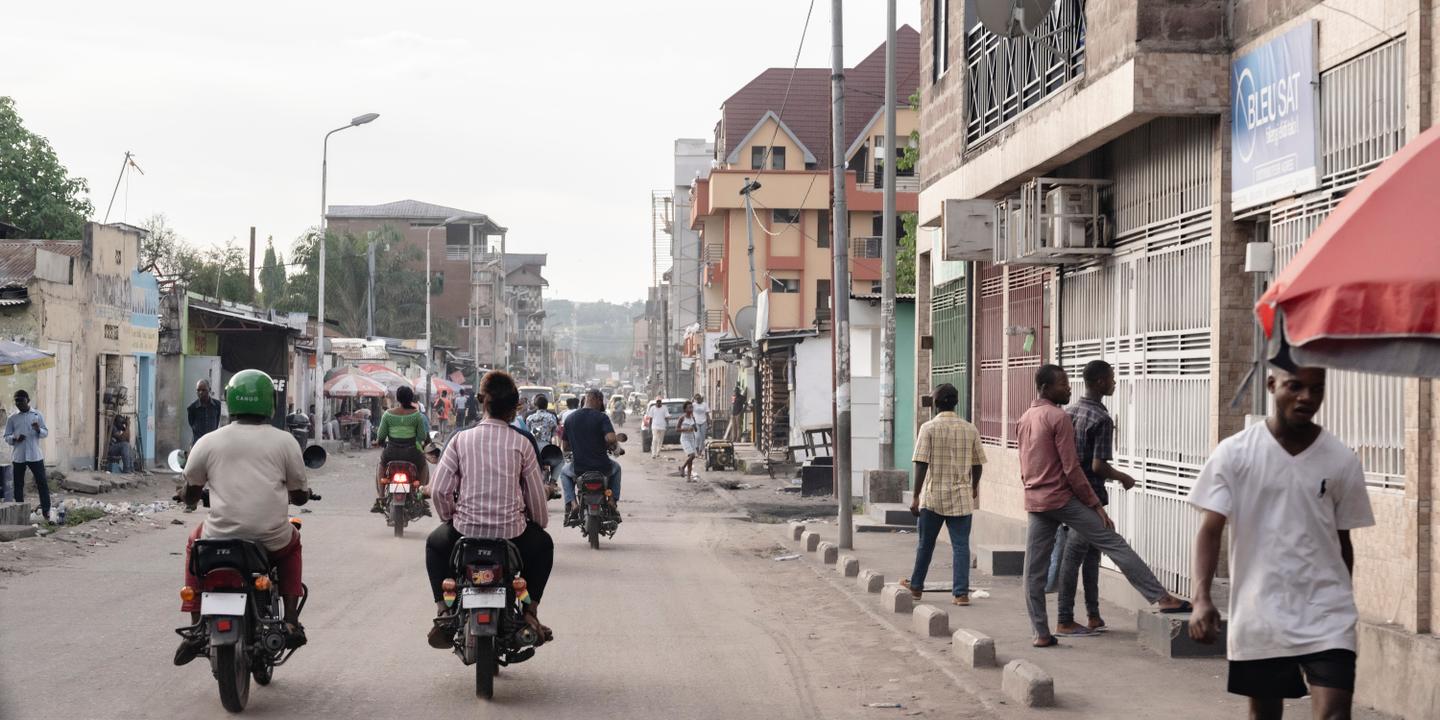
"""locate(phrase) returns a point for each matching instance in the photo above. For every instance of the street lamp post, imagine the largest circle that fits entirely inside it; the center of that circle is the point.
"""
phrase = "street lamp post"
(320, 324)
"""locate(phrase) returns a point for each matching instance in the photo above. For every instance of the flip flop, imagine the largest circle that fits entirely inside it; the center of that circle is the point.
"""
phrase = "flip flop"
(1042, 644)
(1183, 607)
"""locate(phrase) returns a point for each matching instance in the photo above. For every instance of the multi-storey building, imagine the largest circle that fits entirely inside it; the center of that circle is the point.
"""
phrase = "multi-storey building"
(776, 131)
(1090, 192)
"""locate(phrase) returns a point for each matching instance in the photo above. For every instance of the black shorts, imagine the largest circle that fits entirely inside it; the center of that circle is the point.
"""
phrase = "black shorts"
(1281, 677)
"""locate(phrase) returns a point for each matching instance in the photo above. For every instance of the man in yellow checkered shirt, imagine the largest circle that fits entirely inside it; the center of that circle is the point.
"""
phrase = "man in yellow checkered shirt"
(948, 460)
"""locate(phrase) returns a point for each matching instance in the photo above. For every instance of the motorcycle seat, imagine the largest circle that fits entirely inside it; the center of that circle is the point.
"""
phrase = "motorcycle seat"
(486, 550)
(243, 555)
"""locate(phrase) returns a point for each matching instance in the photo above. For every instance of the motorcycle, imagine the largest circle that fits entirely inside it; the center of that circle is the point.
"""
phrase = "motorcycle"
(617, 416)
(242, 624)
(595, 513)
(486, 609)
(552, 459)
(402, 500)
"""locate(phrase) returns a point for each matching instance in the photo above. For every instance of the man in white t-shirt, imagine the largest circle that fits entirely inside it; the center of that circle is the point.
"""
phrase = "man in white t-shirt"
(1291, 493)
(659, 417)
(702, 421)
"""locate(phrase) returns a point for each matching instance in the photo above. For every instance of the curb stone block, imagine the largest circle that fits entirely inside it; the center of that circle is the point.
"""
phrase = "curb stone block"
(897, 599)
(848, 565)
(796, 530)
(870, 580)
(82, 485)
(15, 532)
(974, 648)
(930, 621)
(1027, 684)
(829, 553)
(811, 540)
(997, 560)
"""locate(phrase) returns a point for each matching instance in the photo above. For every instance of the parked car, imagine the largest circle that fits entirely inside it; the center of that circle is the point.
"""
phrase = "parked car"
(674, 408)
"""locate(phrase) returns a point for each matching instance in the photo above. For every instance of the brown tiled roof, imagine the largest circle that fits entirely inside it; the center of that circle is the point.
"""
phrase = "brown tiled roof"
(807, 111)
(17, 257)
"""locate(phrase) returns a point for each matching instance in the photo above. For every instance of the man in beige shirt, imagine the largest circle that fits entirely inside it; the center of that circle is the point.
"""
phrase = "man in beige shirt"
(948, 460)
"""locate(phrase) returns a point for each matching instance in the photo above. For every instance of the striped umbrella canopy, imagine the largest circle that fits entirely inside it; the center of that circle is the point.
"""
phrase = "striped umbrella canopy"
(437, 384)
(386, 376)
(353, 384)
(21, 358)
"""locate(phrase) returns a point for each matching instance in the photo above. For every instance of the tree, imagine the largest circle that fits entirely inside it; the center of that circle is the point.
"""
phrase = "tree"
(399, 286)
(905, 257)
(219, 272)
(37, 193)
(272, 276)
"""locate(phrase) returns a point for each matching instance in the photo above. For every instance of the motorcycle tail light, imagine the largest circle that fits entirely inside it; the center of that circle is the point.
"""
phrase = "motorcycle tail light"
(224, 579)
(262, 583)
(593, 486)
(223, 625)
(483, 617)
(187, 593)
(519, 584)
(448, 585)
(400, 477)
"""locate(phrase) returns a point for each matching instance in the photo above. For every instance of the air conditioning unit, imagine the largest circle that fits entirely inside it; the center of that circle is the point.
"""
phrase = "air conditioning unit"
(1052, 221)
(1067, 209)
(969, 230)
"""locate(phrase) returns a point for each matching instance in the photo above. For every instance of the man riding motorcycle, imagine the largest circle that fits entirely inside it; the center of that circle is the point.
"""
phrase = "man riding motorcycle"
(589, 436)
(254, 472)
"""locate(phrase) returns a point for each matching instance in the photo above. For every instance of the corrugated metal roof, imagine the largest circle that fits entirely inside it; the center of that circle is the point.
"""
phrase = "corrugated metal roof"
(17, 257)
(408, 210)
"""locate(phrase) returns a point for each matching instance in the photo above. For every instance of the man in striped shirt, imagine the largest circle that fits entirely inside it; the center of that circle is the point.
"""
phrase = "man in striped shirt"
(488, 485)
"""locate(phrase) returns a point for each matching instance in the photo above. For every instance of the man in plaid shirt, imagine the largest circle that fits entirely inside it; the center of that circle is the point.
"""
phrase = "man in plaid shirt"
(948, 460)
(1094, 445)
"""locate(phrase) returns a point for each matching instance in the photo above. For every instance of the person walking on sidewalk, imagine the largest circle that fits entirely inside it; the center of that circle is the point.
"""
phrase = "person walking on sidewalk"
(702, 421)
(23, 431)
(948, 459)
(689, 441)
(658, 417)
(1094, 443)
(1056, 493)
(1291, 493)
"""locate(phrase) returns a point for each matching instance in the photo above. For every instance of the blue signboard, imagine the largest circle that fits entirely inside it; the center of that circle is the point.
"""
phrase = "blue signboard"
(1274, 150)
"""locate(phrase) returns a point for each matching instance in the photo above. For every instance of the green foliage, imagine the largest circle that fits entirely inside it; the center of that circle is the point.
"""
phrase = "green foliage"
(37, 193)
(605, 330)
(399, 286)
(221, 272)
(82, 515)
(910, 157)
(905, 256)
(272, 277)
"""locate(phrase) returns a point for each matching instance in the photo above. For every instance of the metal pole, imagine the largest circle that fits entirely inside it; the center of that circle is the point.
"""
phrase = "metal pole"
(370, 291)
(841, 249)
(124, 163)
(319, 419)
(429, 343)
(887, 253)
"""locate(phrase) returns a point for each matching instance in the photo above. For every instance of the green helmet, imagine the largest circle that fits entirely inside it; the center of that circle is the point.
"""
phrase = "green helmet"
(250, 392)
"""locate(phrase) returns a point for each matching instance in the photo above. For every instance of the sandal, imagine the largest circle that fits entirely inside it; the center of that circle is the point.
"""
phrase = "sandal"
(1045, 642)
(543, 633)
(1183, 607)
(294, 635)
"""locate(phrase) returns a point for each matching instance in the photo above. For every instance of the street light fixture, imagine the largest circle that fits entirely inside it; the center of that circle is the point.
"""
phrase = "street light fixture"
(320, 324)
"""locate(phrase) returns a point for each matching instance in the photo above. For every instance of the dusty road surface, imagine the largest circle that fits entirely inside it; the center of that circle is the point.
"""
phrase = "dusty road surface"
(684, 614)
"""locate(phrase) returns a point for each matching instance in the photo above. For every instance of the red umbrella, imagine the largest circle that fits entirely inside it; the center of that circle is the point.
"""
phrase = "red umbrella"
(353, 384)
(386, 376)
(1363, 293)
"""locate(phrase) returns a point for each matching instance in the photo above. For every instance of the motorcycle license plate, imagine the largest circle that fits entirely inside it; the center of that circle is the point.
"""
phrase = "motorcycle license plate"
(483, 598)
(400, 488)
(222, 603)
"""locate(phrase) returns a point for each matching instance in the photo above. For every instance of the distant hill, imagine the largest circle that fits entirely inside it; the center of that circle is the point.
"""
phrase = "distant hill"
(605, 330)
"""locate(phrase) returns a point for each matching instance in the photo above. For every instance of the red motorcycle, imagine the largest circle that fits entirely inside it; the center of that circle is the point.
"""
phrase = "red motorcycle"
(402, 499)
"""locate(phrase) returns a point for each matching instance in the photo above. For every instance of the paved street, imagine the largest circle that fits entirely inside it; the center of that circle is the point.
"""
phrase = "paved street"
(683, 615)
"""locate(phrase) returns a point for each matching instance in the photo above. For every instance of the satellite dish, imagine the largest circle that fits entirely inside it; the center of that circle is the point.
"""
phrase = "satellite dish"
(745, 322)
(1012, 18)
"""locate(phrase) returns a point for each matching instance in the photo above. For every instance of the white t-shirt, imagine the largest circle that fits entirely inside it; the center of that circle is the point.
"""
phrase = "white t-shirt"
(1290, 593)
(658, 416)
(702, 413)
(250, 470)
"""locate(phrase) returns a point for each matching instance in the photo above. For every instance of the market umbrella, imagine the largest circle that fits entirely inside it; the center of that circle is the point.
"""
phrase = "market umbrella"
(388, 377)
(438, 384)
(1363, 293)
(353, 384)
(21, 358)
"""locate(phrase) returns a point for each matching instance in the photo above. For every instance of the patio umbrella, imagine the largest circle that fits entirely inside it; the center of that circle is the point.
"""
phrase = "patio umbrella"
(354, 384)
(438, 384)
(21, 358)
(388, 377)
(1363, 293)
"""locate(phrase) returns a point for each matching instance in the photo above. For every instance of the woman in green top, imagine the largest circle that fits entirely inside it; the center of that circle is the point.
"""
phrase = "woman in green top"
(403, 432)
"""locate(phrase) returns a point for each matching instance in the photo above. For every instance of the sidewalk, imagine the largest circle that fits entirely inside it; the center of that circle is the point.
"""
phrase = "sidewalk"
(1107, 676)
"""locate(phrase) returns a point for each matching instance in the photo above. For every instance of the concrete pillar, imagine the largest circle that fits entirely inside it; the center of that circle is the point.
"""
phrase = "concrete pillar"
(1232, 298)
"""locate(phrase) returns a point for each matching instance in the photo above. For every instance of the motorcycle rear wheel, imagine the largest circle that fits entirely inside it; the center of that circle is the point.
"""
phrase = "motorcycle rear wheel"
(397, 518)
(232, 672)
(486, 668)
(592, 530)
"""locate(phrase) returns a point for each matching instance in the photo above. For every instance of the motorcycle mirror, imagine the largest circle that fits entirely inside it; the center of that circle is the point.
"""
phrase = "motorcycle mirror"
(176, 461)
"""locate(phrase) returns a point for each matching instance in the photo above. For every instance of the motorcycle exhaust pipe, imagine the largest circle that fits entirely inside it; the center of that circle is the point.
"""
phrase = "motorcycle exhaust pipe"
(274, 641)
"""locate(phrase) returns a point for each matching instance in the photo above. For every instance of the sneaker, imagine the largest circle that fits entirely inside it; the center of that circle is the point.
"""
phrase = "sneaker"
(962, 600)
(379, 507)
(905, 583)
(295, 636)
(190, 648)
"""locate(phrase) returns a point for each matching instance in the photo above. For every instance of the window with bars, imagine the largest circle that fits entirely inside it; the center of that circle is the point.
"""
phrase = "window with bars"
(1007, 76)
(784, 216)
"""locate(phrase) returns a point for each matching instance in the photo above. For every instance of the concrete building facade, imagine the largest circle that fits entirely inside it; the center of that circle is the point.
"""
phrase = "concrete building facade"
(1091, 193)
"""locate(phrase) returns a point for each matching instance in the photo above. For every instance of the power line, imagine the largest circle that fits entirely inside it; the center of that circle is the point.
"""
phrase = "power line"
(780, 116)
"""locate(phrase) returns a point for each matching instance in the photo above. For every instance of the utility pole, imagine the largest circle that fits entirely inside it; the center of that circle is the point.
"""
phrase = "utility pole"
(840, 246)
(252, 261)
(370, 291)
(887, 254)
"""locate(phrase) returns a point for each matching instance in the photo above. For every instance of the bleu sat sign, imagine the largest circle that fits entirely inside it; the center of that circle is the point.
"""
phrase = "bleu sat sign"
(1274, 140)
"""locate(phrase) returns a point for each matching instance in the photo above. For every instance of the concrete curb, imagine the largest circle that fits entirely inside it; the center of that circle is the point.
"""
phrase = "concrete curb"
(848, 565)
(1027, 684)
(797, 529)
(930, 621)
(974, 648)
(870, 581)
(811, 539)
(897, 599)
(829, 553)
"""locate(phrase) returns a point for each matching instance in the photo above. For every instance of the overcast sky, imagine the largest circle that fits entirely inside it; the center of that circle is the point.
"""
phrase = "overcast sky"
(556, 119)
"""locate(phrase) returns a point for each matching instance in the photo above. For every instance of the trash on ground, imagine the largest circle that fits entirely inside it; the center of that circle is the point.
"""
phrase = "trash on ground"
(782, 558)
(979, 594)
(892, 705)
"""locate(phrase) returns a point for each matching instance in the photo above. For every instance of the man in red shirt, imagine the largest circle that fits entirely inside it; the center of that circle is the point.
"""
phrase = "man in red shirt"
(1057, 493)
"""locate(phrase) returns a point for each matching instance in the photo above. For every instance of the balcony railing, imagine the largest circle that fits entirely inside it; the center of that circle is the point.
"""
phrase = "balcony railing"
(862, 248)
(873, 180)
(1008, 76)
(714, 320)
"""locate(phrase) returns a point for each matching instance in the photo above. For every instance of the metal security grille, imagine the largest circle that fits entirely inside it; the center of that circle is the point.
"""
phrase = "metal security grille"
(1362, 113)
(1026, 327)
(1010, 75)
(1367, 412)
(775, 401)
(990, 355)
(950, 328)
(1162, 173)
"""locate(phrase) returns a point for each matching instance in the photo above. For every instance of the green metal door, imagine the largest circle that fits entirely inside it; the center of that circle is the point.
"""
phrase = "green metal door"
(950, 331)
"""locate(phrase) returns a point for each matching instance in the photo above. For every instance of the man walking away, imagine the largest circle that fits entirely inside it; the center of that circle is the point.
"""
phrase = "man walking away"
(658, 420)
(23, 431)
(948, 460)
(1056, 493)
(1095, 444)
(702, 421)
(737, 413)
(204, 414)
(1291, 493)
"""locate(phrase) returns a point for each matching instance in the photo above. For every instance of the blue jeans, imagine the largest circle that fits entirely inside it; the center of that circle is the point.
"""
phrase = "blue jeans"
(567, 481)
(928, 528)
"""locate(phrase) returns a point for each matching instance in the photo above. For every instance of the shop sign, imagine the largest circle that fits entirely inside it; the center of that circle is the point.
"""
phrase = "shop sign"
(1274, 138)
